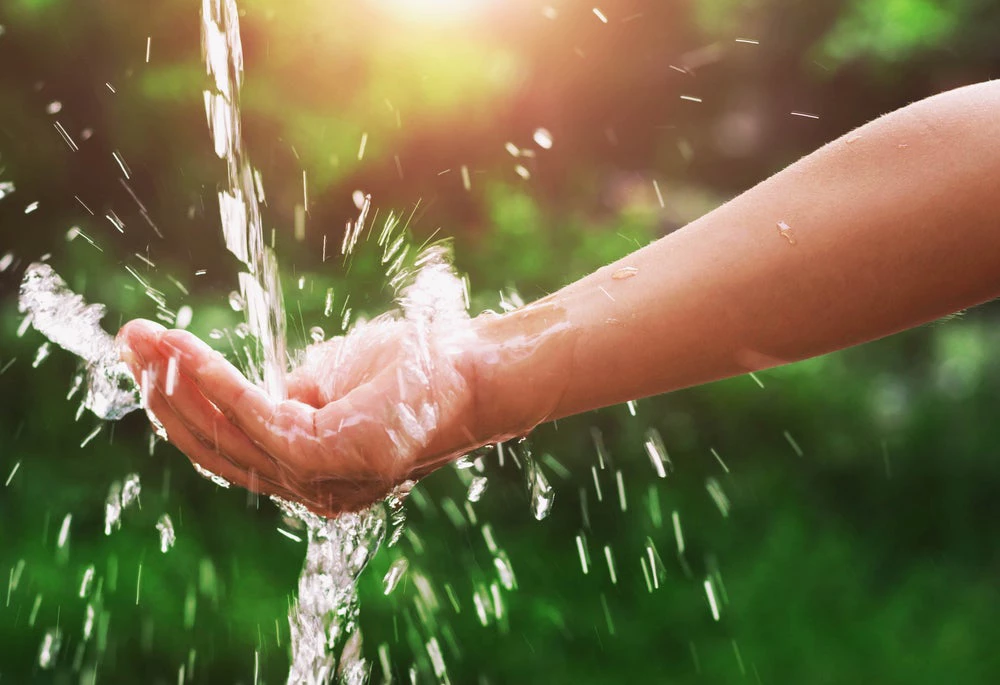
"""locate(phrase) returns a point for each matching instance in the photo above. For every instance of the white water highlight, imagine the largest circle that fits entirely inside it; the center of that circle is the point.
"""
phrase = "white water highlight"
(66, 319)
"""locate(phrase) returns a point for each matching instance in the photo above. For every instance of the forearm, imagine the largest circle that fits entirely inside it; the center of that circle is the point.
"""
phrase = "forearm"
(893, 225)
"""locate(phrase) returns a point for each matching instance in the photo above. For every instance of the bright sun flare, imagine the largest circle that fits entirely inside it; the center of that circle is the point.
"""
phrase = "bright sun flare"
(435, 10)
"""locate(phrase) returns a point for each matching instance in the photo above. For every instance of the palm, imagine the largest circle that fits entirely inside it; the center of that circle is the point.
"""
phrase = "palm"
(365, 412)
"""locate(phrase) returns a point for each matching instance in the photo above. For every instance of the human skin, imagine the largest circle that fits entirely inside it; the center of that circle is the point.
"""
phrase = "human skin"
(886, 228)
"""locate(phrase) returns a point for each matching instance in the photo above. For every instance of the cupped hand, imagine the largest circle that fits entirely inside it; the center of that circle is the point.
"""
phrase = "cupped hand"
(389, 402)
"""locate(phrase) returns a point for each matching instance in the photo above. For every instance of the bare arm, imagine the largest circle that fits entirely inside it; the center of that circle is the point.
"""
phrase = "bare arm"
(892, 225)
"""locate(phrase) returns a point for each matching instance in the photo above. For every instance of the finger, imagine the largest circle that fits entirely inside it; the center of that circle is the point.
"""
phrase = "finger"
(206, 455)
(137, 344)
(206, 422)
(243, 403)
(139, 333)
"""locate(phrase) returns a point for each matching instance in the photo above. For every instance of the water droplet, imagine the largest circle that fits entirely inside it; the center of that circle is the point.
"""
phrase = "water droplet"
(88, 623)
(785, 231)
(394, 574)
(113, 508)
(712, 602)
(43, 353)
(542, 494)
(504, 570)
(522, 171)
(54, 107)
(236, 301)
(358, 197)
(476, 488)
(167, 536)
(6, 188)
(543, 138)
(582, 550)
(718, 496)
(215, 334)
(242, 330)
(657, 453)
(64, 531)
(184, 316)
(609, 557)
(316, 334)
(88, 577)
(328, 304)
(131, 489)
(624, 273)
(49, 650)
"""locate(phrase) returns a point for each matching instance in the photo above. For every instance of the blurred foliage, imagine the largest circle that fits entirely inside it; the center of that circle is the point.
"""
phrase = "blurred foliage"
(859, 540)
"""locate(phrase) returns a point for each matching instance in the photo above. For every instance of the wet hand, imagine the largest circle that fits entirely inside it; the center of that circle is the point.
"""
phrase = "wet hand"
(389, 402)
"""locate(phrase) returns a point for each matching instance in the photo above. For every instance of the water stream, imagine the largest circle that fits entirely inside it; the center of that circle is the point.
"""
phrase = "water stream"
(323, 619)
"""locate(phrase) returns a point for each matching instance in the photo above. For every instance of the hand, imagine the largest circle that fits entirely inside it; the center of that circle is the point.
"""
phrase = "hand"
(391, 401)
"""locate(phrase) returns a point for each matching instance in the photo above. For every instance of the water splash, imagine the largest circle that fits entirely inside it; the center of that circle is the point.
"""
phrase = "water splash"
(120, 496)
(541, 492)
(394, 575)
(66, 319)
(326, 642)
(167, 536)
(476, 488)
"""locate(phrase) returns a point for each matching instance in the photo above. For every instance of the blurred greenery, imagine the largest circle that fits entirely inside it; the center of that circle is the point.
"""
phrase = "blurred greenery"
(859, 539)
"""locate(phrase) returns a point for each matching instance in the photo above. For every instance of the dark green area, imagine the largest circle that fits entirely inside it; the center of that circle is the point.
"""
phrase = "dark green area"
(870, 558)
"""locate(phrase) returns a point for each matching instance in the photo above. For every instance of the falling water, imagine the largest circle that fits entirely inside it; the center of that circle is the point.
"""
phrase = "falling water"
(325, 640)
(239, 207)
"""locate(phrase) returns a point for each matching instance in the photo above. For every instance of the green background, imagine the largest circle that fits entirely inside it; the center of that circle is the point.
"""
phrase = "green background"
(869, 558)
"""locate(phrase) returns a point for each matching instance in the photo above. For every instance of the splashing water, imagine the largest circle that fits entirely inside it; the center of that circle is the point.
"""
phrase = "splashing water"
(64, 318)
(326, 642)
(167, 536)
(541, 492)
(394, 575)
(120, 496)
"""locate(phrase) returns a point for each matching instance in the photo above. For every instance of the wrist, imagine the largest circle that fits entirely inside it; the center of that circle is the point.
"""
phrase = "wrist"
(519, 366)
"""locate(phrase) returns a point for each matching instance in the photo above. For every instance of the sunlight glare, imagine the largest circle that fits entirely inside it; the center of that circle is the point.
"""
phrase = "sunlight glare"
(438, 11)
